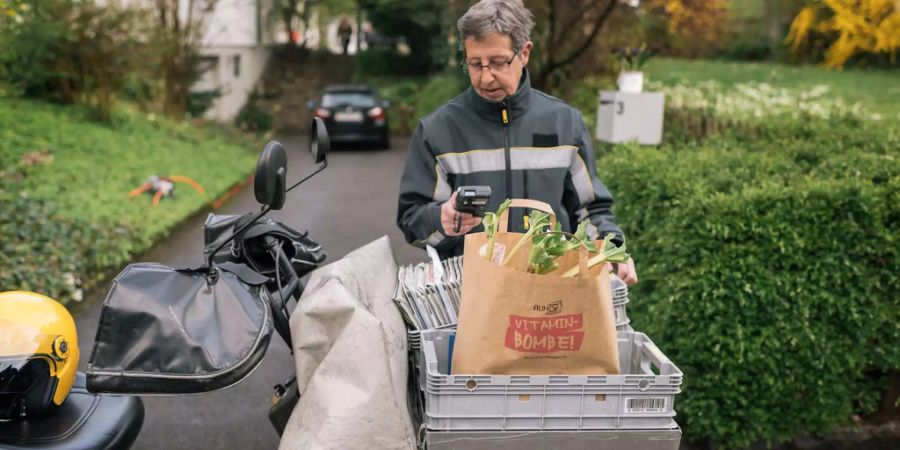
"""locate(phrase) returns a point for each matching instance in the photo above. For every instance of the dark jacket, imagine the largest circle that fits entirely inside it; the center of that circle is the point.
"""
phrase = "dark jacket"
(541, 150)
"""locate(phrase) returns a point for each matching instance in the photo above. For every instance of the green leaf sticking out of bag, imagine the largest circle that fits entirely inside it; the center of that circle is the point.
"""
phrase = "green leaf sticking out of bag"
(537, 222)
(491, 222)
(550, 245)
(610, 252)
(545, 246)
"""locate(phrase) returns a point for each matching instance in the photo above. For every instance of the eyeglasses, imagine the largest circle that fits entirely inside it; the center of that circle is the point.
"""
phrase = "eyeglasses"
(495, 66)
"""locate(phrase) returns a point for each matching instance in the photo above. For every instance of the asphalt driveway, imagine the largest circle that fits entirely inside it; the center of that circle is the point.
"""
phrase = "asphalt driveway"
(351, 203)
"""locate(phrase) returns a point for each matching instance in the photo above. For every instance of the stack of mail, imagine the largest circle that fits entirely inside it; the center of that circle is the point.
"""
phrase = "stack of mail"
(428, 294)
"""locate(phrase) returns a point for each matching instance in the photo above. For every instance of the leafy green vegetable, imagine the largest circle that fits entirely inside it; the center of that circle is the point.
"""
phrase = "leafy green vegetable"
(491, 222)
(537, 221)
(548, 246)
(548, 243)
(581, 237)
(610, 252)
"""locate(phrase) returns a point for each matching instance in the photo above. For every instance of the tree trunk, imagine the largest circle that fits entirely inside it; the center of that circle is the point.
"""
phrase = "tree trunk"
(452, 45)
(359, 13)
(552, 63)
(178, 44)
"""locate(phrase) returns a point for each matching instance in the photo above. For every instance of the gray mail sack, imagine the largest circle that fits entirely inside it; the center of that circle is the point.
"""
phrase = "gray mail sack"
(179, 331)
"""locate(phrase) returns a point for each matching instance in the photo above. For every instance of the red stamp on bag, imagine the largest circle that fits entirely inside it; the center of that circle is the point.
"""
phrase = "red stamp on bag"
(545, 334)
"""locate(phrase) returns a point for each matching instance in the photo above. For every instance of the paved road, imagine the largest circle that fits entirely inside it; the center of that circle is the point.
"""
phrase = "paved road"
(351, 203)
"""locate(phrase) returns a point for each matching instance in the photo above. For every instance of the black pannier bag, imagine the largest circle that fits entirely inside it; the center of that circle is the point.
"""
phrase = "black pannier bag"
(179, 331)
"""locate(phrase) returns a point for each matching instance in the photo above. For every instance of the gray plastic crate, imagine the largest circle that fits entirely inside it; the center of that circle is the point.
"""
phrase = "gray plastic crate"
(638, 399)
(621, 316)
(415, 339)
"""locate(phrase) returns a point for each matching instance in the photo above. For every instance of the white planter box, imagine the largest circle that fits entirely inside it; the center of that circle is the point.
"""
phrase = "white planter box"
(625, 116)
(632, 81)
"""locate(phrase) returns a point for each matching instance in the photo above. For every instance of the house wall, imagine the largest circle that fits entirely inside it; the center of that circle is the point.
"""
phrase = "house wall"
(233, 23)
(236, 41)
(234, 72)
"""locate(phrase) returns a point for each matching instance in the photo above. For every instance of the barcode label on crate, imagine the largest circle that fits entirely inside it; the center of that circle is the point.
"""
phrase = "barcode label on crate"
(645, 405)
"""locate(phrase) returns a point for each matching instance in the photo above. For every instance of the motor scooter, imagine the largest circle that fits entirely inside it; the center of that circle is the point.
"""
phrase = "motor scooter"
(272, 255)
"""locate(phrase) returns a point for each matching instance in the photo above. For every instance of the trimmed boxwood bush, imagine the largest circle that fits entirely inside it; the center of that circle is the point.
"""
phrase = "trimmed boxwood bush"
(768, 272)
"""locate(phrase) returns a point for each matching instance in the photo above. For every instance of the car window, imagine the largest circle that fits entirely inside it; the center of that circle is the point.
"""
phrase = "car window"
(360, 99)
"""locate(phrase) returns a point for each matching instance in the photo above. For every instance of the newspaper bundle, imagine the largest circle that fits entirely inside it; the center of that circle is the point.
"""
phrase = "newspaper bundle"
(428, 293)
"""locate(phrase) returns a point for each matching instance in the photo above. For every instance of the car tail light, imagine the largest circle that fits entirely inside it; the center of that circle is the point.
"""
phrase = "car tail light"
(376, 113)
(323, 113)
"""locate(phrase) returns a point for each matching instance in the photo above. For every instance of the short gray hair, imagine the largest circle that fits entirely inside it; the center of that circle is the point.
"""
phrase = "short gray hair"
(509, 17)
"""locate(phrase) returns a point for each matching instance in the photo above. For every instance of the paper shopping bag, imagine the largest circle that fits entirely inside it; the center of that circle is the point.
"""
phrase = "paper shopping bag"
(513, 322)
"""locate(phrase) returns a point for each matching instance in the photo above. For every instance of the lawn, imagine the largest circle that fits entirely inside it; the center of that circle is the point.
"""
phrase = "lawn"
(65, 183)
(877, 91)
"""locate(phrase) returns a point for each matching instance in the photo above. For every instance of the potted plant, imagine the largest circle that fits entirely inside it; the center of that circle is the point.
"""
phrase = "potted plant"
(631, 78)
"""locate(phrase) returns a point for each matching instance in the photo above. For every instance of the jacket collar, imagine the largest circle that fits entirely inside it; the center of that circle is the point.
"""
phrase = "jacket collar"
(516, 104)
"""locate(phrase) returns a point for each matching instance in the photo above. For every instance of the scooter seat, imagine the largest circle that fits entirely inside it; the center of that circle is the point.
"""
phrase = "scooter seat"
(84, 421)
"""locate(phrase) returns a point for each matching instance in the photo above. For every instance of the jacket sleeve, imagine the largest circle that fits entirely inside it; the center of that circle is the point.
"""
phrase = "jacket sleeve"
(423, 188)
(585, 196)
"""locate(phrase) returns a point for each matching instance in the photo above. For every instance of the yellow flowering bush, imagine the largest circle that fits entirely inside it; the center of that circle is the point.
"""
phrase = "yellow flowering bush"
(852, 26)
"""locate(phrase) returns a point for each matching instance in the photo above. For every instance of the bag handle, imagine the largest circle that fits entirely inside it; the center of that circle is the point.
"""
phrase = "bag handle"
(525, 203)
(582, 261)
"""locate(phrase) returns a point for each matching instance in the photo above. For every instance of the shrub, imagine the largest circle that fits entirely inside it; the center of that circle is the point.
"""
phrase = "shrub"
(403, 96)
(74, 52)
(748, 47)
(851, 28)
(200, 101)
(381, 62)
(689, 28)
(440, 89)
(768, 272)
(412, 99)
(28, 37)
(252, 118)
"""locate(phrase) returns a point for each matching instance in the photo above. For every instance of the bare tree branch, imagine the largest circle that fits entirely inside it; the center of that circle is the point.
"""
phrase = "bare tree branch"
(574, 18)
(598, 24)
(552, 16)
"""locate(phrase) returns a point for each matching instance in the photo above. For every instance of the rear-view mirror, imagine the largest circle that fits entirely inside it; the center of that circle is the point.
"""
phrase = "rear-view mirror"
(271, 176)
(319, 143)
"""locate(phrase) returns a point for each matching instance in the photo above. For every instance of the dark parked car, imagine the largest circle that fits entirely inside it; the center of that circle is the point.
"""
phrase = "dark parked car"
(354, 114)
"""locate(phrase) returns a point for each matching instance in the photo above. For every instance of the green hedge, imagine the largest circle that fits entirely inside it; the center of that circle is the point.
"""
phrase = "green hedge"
(769, 274)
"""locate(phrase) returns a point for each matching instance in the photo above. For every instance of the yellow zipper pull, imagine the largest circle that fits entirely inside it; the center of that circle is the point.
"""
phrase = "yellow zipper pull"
(505, 116)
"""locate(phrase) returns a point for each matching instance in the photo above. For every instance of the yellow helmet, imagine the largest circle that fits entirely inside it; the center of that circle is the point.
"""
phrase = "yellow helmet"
(38, 354)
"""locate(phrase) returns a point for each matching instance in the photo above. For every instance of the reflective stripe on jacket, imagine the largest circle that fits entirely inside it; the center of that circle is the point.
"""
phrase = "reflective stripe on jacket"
(531, 145)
